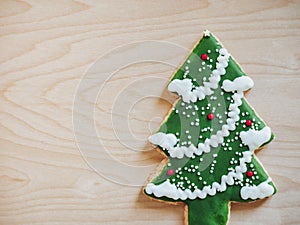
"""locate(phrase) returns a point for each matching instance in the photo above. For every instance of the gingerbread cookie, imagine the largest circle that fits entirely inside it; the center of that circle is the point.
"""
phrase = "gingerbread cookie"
(209, 138)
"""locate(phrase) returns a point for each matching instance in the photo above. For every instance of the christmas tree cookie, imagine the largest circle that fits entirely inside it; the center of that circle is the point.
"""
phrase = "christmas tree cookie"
(209, 139)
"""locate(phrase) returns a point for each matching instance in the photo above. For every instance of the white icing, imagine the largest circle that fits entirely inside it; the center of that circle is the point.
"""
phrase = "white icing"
(168, 142)
(184, 87)
(164, 140)
(260, 191)
(164, 189)
(238, 84)
(254, 139)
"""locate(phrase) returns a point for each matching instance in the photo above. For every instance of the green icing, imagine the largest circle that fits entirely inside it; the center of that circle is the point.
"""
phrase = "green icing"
(200, 171)
(213, 211)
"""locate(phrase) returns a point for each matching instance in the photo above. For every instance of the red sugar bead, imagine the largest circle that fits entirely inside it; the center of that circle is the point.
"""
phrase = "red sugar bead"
(248, 123)
(170, 172)
(249, 173)
(210, 116)
(204, 56)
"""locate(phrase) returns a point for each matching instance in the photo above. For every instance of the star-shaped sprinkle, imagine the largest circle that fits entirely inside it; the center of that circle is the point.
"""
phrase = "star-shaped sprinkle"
(206, 33)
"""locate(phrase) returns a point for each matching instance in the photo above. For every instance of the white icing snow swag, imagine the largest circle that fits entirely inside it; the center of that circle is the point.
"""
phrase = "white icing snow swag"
(238, 84)
(254, 139)
(260, 191)
(184, 87)
(250, 138)
(166, 141)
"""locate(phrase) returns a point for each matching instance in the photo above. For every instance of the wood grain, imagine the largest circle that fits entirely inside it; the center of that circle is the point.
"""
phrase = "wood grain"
(46, 47)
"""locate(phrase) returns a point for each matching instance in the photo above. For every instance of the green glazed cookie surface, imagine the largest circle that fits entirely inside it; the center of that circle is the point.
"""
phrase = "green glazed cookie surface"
(210, 137)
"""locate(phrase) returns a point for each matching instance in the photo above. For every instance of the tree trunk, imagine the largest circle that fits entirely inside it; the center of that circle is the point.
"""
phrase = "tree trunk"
(208, 211)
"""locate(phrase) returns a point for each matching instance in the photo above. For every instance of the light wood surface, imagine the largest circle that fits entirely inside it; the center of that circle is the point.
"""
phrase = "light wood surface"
(47, 46)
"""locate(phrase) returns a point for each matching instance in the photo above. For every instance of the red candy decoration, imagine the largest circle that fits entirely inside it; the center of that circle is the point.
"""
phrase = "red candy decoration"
(249, 173)
(210, 116)
(170, 172)
(204, 56)
(248, 123)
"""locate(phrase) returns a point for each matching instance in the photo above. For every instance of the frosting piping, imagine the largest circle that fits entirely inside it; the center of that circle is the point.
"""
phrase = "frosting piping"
(260, 191)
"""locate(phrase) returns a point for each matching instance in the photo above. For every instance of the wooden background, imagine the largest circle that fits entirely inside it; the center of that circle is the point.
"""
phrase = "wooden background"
(46, 47)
